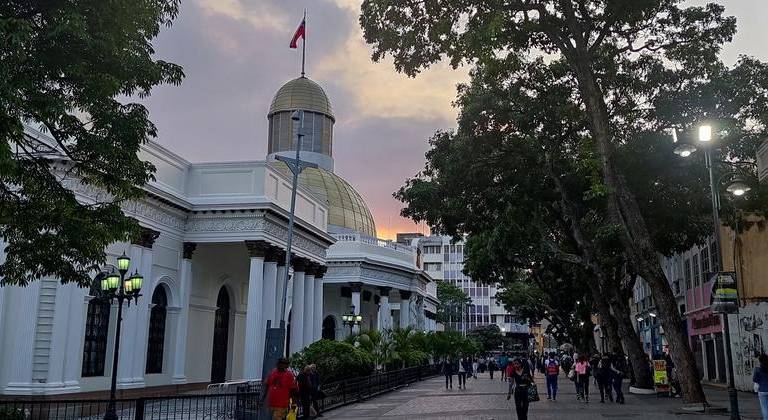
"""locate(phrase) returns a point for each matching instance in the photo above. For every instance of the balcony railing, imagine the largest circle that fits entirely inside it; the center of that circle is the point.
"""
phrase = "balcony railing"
(370, 240)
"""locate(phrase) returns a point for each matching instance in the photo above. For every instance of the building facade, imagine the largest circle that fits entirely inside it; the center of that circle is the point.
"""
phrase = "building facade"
(212, 252)
(444, 261)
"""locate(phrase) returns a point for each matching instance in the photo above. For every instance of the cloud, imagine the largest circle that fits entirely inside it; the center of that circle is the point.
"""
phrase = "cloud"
(262, 15)
(377, 90)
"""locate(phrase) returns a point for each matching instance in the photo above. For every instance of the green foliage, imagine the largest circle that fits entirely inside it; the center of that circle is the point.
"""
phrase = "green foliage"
(11, 413)
(335, 360)
(67, 68)
(452, 299)
(487, 336)
(406, 348)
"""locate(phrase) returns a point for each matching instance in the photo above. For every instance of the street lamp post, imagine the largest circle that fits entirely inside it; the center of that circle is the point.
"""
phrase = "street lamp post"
(117, 287)
(738, 188)
(351, 318)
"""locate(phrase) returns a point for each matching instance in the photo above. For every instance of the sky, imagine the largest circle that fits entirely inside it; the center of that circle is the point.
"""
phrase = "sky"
(235, 56)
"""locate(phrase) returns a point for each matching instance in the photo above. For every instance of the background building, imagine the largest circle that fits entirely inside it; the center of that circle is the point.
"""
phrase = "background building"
(444, 261)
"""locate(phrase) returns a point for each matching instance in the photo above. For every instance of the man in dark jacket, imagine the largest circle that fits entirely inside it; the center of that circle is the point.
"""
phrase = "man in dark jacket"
(449, 369)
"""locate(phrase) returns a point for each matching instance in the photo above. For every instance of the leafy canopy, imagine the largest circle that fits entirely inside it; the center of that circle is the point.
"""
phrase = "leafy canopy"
(67, 67)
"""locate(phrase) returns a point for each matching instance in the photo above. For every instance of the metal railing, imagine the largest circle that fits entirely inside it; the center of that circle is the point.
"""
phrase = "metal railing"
(241, 405)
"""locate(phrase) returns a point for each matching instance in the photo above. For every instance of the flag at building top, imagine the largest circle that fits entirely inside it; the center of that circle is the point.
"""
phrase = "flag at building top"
(300, 33)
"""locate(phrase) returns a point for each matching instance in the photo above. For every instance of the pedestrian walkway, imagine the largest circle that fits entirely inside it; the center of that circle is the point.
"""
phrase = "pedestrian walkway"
(485, 399)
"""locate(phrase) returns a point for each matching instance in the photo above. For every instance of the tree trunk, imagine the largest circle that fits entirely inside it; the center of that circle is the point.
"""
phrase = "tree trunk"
(635, 237)
(607, 321)
(630, 339)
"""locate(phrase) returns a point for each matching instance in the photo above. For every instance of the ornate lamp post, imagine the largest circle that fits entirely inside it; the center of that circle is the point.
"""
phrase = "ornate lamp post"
(351, 318)
(114, 286)
(738, 188)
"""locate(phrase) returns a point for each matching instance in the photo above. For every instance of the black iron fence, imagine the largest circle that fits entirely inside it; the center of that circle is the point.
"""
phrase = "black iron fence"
(241, 405)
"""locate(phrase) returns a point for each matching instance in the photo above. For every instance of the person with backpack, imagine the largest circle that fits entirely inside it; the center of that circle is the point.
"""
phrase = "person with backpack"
(618, 372)
(552, 372)
(603, 377)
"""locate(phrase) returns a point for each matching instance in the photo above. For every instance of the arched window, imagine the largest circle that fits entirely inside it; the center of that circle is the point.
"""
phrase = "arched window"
(156, 337)
(96, 331)
(329, 328)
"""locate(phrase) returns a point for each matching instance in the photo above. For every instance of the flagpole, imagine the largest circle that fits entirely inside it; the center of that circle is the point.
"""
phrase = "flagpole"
(304, 43)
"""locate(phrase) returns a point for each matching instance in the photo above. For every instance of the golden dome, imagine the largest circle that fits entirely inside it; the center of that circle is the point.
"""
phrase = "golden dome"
(301, 93)
(346, 208)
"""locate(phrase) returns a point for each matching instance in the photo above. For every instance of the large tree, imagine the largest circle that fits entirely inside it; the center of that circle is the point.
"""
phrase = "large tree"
(69, 68)
(613, 50)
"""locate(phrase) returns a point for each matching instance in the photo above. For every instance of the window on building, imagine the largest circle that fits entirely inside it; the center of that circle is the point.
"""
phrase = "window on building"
(713, 252)
(96, 330)
(696, 272)
(156, 336)
(704, 257)
(687, 273)
(433, 266)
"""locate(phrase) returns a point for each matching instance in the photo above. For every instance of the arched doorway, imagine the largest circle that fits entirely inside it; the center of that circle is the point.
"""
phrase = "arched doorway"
(220, 337)
(329, 328)
(156, 336)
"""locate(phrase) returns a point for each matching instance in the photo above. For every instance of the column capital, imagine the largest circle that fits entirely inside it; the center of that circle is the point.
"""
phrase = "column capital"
(274, 254)
(405, 294)
(189, 249)
(384, 290)
(313, 268)
(257, 249)
(356, 286)
(299, 264)
(320, 271)
(145, 237)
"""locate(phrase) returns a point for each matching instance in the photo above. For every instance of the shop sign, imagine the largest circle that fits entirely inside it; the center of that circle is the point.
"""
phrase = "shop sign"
(725, 298)
(660, 379)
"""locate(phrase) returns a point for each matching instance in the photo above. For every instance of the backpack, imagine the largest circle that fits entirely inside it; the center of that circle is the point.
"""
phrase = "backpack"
(552, 368)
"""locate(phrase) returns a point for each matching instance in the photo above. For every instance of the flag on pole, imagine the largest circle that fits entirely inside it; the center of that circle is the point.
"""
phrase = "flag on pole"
(300, 33)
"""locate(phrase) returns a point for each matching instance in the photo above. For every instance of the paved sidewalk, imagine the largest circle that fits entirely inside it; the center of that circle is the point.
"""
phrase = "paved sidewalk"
(486, 399)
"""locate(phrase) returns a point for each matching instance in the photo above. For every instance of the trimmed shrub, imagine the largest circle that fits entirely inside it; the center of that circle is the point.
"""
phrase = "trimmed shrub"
(335, 360)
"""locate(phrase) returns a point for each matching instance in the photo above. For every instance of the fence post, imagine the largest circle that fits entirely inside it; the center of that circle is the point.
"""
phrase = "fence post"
(138, 413)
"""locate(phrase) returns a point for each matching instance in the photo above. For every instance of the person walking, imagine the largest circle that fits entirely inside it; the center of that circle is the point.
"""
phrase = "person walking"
(552, 372)
(492, 366)
(448, 370)
(618, 373)
(519, 382)
(306, 390)
(279, 387)
(475, 365)
(465, 370)
(567, 363)
(317, 394)
(583, 372)
(503, 361)
(603, 376)
(760, 379)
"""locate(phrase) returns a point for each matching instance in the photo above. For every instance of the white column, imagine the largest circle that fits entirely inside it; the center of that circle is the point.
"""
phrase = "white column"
(317, 306)
(185, 286)
(142, 308)
(271, 293)
(279, 292)
(254, 335)
(309, 307)
(704, 357)
(385, 312)
(405, 308)
(356, 289)
(297, 308)
(16, 358)
(73, 363)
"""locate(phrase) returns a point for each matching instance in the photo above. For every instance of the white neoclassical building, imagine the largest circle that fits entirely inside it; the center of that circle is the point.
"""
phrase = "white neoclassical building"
(212, 253)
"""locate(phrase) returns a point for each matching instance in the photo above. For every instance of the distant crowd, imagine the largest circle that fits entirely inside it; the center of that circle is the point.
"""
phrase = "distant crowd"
(608, 370)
